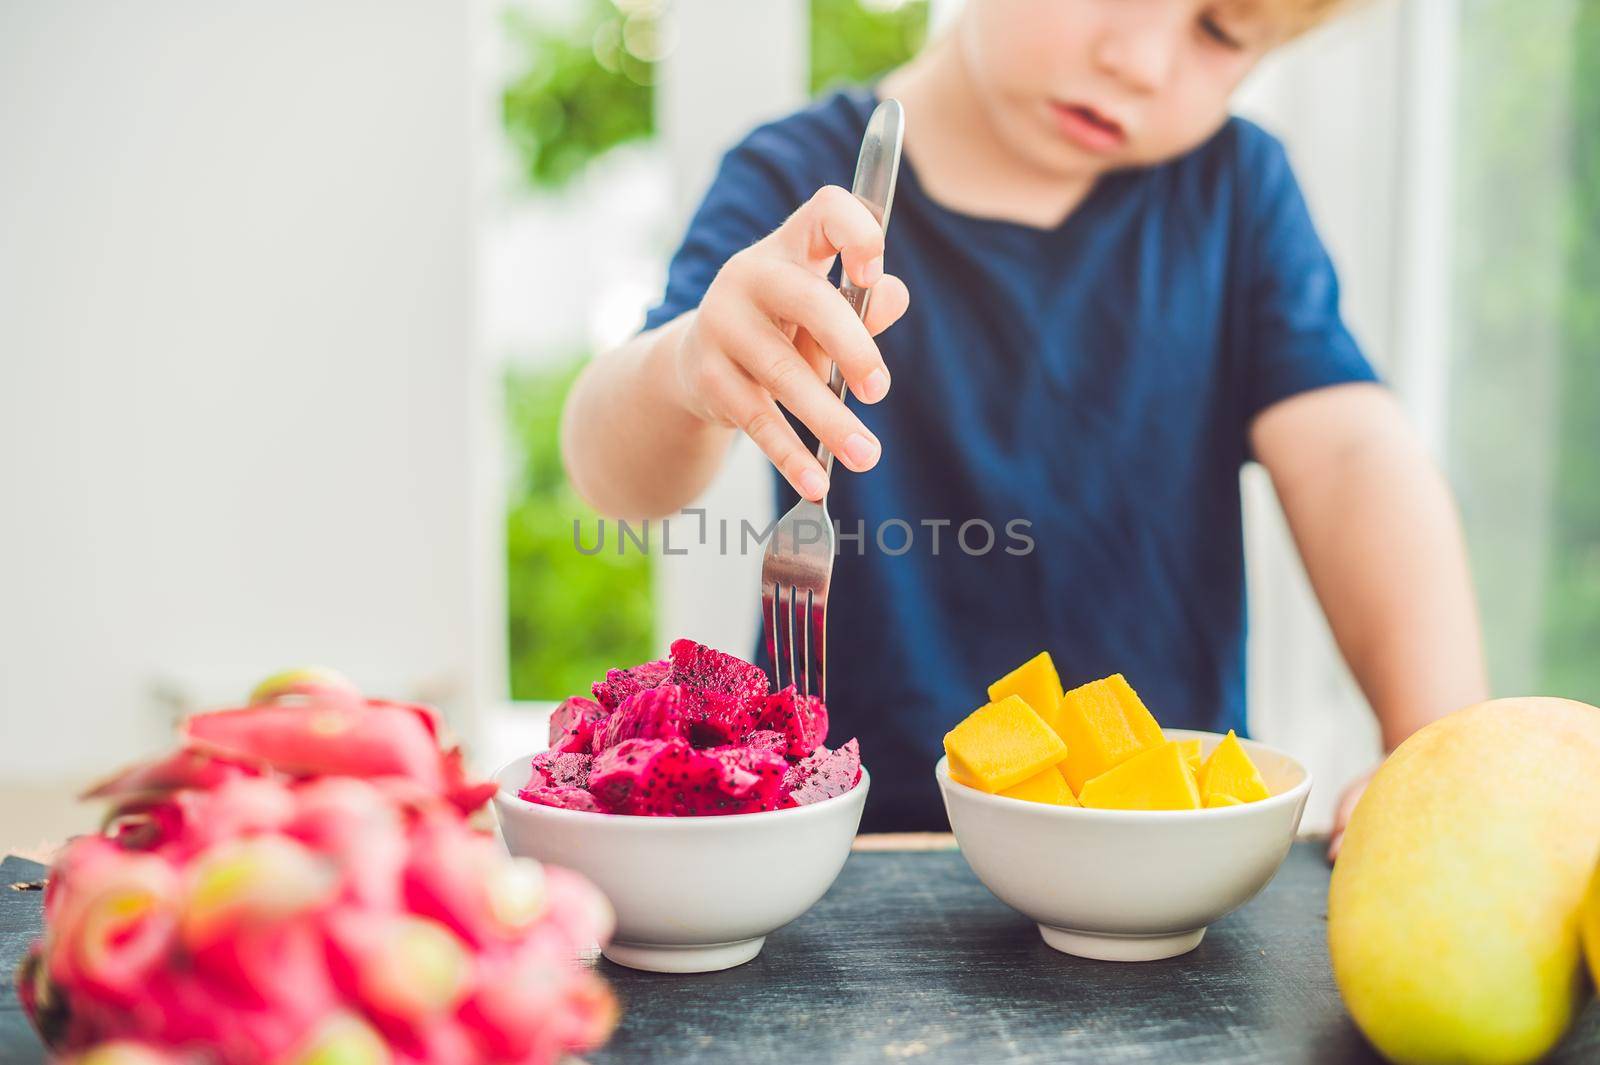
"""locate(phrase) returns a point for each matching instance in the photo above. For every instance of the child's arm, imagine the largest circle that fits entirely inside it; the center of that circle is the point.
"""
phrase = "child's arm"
(1378, 530)
(646, 426)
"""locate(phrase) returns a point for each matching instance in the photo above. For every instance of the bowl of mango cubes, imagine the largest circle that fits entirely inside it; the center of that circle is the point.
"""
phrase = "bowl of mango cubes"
(1120, 839)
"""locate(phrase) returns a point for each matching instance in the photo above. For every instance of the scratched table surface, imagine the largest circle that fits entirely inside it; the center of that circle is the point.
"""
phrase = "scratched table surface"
(909, 959)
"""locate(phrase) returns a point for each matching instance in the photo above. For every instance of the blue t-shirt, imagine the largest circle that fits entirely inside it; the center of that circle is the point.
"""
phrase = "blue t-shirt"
(1095, 381)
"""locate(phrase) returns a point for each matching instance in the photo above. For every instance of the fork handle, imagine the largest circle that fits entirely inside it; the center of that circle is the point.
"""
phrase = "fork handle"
(857, 297)
(877, 166)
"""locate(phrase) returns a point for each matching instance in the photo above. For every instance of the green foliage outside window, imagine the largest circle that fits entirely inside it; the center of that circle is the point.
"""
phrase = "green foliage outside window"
(584, 89)
(1572, 610)
(585, 83)
(1525, 405)
(852, 42)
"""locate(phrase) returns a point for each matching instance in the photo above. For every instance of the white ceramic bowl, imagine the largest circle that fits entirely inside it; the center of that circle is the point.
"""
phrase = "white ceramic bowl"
(1129, 885)
(692, 894)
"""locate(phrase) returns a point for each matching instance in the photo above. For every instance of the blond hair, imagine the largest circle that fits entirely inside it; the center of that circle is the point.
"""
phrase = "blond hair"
(1295, 17)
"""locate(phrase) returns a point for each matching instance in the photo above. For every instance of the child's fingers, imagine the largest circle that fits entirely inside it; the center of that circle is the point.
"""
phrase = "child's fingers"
(754, 411)
(833, 222)
(819, 361)
(769, 357)
(1341, 817)
(879, 317)
(790, 293)
(889, 301)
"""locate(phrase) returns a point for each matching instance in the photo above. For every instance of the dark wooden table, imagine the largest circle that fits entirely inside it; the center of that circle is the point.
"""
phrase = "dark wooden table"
(909, 959)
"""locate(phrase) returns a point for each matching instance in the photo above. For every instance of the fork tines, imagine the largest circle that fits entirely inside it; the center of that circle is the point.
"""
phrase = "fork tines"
(794, 620)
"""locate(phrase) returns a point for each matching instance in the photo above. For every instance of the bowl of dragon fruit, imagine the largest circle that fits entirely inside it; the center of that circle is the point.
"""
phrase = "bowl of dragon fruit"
(706, 806)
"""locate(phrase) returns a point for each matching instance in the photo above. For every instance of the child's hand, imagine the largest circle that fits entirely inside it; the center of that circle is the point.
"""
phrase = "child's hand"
(1347, 806)
(770, 323)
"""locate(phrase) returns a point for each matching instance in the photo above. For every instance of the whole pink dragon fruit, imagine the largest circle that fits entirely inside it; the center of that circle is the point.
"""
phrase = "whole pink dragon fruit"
(300, 884)
(696, 733)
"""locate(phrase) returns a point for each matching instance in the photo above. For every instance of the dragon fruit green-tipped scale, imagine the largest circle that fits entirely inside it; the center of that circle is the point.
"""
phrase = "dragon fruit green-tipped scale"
(798, 566)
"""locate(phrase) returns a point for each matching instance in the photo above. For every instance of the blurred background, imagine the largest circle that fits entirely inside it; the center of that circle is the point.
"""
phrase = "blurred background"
(290, 295)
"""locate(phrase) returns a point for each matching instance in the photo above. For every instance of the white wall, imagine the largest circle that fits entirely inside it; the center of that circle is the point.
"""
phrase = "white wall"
(239, 401)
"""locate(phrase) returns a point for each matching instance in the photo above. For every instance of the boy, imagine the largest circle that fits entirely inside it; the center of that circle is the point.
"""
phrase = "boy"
(1120, 300)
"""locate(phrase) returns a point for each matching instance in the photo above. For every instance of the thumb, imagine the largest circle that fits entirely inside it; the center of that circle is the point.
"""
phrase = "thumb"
(888, 302)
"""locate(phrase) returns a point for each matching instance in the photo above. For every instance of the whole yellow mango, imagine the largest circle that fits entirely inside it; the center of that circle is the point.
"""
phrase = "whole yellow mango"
(1453, 910)
(1591, 926)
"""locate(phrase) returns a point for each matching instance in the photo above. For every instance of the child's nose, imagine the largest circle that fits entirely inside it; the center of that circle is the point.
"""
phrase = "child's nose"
(1140, 44)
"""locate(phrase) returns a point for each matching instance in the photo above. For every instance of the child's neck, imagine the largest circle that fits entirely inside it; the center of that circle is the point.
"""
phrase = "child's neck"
(959, 160)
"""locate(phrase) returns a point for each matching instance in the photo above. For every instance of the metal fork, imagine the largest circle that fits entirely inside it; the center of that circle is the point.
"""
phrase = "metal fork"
(798, 564)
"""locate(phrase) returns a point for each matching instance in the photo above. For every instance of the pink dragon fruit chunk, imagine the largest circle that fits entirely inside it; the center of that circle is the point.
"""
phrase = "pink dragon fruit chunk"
(766, 740)
(619, 774)
(557, 769)
(661, 713)
(824, 774)
(704, 718)
(573, 723)
(752, 779)
(699, 666)
(561, 797)
(670, 778)
(802, 719)
(621, 683)
(718, 719)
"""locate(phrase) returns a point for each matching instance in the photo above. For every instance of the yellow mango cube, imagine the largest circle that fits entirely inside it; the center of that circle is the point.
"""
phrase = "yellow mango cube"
(1038, 685)
(1104, 724)
(1000, 745)
(1154, 779)
(1191, 752)
(1048, 787)
(1219, 799)
(1140, 721)
(1229, 771)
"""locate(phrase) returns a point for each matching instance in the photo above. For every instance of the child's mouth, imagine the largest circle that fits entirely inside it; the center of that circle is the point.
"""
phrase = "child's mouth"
(1088, 128)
